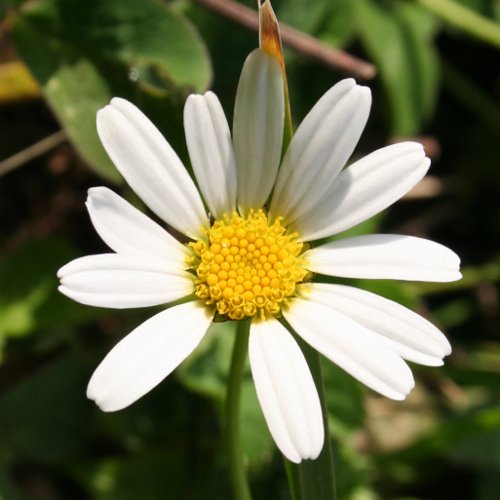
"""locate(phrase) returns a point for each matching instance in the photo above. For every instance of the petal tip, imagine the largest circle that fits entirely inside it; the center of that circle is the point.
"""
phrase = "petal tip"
(119, 101)
(95, 191)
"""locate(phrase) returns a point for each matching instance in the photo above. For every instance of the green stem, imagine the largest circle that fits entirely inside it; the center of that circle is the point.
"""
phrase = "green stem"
(314, 478)
(311, 479)
(235, 454)
(465, 19)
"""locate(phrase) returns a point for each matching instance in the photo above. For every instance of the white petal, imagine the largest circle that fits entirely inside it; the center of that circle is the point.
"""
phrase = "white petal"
(147, 355)
(211, 152)
(321, 146)
(286, 391)
(127, 230)
(411, 336)
(151, 167)
(355, 349)
(385, 256)
(364, 189)
(124, 281)
(259, 116)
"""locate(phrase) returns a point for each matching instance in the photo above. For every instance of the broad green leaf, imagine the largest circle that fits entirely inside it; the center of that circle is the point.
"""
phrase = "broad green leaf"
(17, 83)
(465, 19)
(256, 441)
(454, 313)
(150, 475)
(84, 53)
(31, 303)
(303, 14)
(399, 40)
(338, 26)
(496, 10)
(44, 416)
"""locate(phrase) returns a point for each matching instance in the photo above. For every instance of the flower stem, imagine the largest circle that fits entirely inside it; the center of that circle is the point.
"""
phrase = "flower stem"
(239, 481)
(314, 478)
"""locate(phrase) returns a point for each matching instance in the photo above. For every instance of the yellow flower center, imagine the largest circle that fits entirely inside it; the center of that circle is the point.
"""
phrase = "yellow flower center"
(247, 266)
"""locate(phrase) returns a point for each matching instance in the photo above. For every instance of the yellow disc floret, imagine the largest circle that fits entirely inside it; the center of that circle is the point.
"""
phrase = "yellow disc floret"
(247, 266)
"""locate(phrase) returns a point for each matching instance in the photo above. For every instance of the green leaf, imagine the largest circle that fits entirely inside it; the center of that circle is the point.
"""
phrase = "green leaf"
(465, 19)
(338, 27)
(206, 370)
(31, 303)
(256, 441)
(151, 475)
(303, 14)
(44, 417)
(400, 41)
(84, 53)
(454, 313)
(344, 399)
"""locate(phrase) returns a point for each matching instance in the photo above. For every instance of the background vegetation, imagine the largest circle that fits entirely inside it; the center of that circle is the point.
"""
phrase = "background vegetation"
(438, 78)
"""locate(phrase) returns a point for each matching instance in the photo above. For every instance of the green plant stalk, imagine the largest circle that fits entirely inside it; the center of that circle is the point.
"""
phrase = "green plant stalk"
(314, 479)
(288, 130)
(311, 479)
(465, 19)
(241, 490)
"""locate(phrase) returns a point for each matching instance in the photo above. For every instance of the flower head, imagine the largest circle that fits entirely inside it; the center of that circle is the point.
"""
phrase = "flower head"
(249, 222)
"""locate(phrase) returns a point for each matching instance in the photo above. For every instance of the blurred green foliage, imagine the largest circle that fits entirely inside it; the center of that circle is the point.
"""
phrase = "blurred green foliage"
(436, 78)
(113, 48)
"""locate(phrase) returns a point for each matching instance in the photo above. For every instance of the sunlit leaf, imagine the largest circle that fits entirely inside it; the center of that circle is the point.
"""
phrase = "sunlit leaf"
(399, 38)
(16, 83)
(153, 475)
(303, 14)
(85, 53)
(30, 303)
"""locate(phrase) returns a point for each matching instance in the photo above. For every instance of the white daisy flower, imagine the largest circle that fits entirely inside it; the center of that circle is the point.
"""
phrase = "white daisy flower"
(249, 222)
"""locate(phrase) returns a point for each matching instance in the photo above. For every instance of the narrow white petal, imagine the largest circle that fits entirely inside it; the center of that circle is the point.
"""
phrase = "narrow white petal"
(109, 261)
(124, 281)
(151, 167)
(409, 334)
(355, 349)
(364, 189)
(385, 256)
(147, 355)
(211, 152)
(127, 230)
(258, 123)
(321, 146)
(286, 391)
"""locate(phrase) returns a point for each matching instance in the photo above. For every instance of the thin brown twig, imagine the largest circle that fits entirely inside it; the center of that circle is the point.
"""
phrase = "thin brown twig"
(298, 40)
(31, 152)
